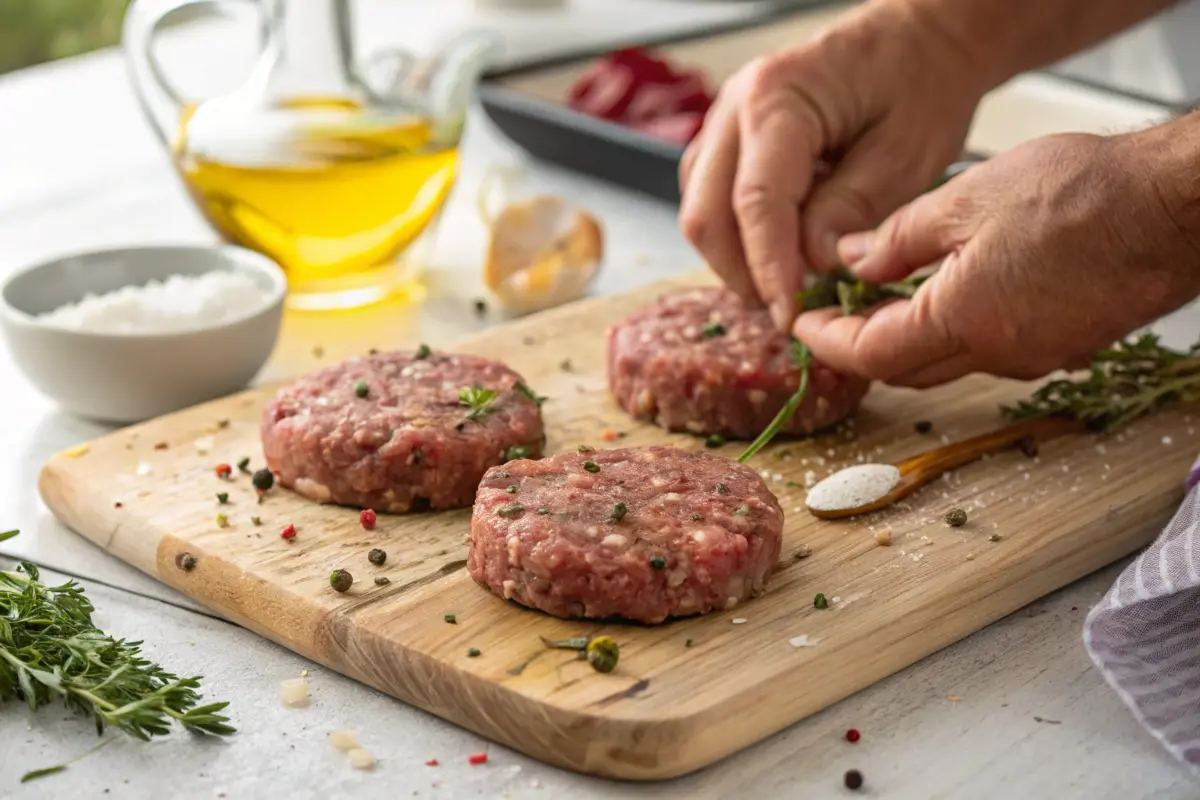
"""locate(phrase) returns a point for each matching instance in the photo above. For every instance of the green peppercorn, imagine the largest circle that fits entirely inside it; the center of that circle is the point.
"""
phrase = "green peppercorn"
(820, 601)
(360, 389)
(474, 653)
(716, 440)
(341, 580)
(603, 653)
(618, 512)
(222, 521)
(256, 520)
(222, 497)
(956, 518)
(517, 451)
(658, 562)
(713, 329)
(591, 466)
(263, 479)
(376, 556)
(451, 619)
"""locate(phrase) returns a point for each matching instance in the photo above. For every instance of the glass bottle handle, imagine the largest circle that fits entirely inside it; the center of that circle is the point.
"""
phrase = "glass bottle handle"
(161, 104)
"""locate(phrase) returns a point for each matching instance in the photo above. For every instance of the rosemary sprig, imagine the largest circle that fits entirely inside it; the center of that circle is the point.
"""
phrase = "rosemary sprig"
(1129, 380)
(50, 650)
(802, 358)
(477, 399)
(843, 289)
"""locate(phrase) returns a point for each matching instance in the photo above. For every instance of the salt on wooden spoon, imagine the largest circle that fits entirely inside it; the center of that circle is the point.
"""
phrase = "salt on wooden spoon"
(864, 488)
(543, 252)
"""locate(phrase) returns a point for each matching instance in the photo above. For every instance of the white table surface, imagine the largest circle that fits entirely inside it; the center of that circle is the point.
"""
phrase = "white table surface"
(79, 169)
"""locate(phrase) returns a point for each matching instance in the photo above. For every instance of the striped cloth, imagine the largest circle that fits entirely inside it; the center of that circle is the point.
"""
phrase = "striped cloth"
(1144, 636)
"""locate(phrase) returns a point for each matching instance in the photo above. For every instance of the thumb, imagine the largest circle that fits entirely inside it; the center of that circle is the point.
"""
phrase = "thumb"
(915, 236)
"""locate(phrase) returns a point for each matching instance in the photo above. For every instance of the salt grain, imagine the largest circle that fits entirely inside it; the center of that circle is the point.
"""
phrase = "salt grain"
(144, 469)
(181, 302)
(1166, 440)
(801, 641)
(739, 620)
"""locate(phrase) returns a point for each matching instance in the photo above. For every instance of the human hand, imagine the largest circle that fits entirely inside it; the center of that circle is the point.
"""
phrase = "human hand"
(884, 100)
(1052, 251)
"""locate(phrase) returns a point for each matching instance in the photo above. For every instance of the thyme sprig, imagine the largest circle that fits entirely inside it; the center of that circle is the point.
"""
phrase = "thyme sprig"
(1123, 383)
(50, 650)
(802, 357)
(842, 288)
(478, 400)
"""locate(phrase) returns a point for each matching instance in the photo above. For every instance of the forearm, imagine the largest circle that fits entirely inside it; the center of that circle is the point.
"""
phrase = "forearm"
(1003, 38)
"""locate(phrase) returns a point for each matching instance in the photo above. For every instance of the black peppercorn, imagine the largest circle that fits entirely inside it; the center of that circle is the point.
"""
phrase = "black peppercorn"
(923, 427)
(956, 518)
(377, 556)
(263, 479)
(1029, 446)
(853, 779)
(341, 580)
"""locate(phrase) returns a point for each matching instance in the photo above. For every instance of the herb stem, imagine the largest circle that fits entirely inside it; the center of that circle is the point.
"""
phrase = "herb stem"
(803, 358)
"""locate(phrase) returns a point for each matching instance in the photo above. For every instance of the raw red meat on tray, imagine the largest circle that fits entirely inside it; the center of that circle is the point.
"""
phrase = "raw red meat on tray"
(633, 88)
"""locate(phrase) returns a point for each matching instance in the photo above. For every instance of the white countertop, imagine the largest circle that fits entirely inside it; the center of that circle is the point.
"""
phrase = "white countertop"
(81, 170)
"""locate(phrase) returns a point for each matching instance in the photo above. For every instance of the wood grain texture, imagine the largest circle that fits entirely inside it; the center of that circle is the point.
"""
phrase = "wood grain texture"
(668, 709)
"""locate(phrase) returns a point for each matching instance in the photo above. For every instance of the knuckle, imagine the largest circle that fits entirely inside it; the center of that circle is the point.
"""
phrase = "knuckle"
(750, 199)
(695, 226)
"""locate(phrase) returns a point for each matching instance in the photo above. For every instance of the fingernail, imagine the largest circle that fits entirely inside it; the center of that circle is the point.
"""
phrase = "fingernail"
(781, 314)
(854, 247)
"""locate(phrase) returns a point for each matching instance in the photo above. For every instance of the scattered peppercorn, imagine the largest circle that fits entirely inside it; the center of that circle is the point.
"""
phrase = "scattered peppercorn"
(716, 440)
(222, 521)
(341, 580)
(256, 520)
(1029, 446)
(243, 464)
(377, 556)
(382, 580)
(288, 532)
(474, 653)
(476, 759)
(658, 562)
(956, 518)
(618, 512)
(451, 619)
(374, 351)
(853, 779)
(481, 308)
(688, 643)
(603, 653)
(853, 735)
(713, 329)
(423, 352)
(367, 518)
(517, 451)
(722, 488)
(565, 366)
(820, 601)
(433, 762)
(161, 445)
(222, 497)
(591, 466)
(360, 389)
(224, 471)
(222, 424)
(923, 427)
(263, 479)
(995, 537)
(186, 562)
(118, 504)
(510, 489)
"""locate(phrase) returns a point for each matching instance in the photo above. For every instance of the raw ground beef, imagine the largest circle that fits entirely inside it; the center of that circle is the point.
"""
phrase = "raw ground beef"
(406, 445)
(696, 532)
(697, 360)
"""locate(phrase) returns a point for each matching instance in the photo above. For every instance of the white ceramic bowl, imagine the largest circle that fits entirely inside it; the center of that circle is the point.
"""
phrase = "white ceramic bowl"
(115, 377)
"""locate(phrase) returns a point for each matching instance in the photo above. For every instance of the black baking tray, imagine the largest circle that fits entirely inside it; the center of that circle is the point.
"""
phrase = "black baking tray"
(554, 133)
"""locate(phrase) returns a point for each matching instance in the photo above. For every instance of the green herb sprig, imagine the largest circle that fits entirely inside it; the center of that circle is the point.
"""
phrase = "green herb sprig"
(802, 357)
(50, 650)
(842, 288)
(478, 400)
(524, 389)
(1127, 381)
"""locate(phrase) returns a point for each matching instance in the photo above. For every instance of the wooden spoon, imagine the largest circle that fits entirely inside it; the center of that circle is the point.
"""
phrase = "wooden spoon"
(919, 470)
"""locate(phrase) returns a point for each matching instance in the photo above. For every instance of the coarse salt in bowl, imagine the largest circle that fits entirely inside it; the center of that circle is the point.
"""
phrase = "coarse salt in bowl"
(129, 334)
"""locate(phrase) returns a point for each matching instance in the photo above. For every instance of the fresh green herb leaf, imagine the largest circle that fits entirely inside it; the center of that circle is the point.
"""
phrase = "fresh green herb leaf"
(41, 773)
(516, 452)
(713, 329)
(843, 289)
(802, 358)
(1123, 383)
(525, 390)
(477, 400)
(510, 511)
(474, 653)
(423, 352)
(578, 643)
(8, 535)
(715, 440)
(618, 512)
(591, 466)
(450, 619)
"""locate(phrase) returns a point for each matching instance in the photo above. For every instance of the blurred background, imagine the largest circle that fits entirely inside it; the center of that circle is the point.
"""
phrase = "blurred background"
(36, 31)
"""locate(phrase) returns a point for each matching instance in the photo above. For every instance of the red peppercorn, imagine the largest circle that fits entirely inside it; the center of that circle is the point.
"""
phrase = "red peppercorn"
(367, 518)
(433, 762)
(478, 758)
(853, 735)
(224, 471)
(289, 532)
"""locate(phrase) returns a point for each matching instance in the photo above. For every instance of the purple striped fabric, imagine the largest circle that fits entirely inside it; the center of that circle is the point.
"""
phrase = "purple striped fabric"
(1144, 636)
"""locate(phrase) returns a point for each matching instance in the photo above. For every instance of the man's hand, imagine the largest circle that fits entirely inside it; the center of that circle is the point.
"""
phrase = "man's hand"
(883, 100)
(1052, 251)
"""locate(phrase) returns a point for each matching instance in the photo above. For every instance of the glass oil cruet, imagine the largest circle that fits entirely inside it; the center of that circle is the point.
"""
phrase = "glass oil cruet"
(311, 161)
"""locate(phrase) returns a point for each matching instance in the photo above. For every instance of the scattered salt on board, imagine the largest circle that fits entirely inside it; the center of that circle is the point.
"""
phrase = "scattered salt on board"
(181, 302)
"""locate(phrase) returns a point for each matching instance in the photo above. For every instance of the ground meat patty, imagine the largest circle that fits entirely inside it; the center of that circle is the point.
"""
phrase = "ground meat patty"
(641, 534)
(697, 360)
(389, 432)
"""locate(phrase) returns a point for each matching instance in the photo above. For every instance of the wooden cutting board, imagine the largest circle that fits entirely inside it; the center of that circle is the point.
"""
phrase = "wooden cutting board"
(687, 693)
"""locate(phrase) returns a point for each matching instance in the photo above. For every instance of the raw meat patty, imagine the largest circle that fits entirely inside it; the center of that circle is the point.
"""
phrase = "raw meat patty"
(641, 534)
(697, 360)
(407, 445)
